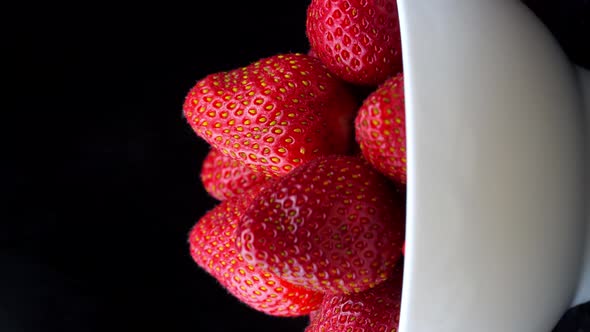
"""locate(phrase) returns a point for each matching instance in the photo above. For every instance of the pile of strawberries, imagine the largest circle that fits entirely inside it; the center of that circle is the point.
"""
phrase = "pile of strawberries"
(310, 172)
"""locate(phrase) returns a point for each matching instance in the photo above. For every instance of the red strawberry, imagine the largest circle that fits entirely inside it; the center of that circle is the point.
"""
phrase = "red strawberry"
(212, 246)
(332, 225)
(376, 309)
(358, 40)
(381, 129)
(274, 114)
(224, 177)
(313, 315)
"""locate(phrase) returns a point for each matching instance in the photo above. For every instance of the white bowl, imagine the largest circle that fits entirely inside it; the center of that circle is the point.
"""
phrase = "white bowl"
(497, 187)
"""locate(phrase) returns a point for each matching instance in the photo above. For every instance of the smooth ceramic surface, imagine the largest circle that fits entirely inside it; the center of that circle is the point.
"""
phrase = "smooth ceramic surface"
(496, 183)
(583, 289)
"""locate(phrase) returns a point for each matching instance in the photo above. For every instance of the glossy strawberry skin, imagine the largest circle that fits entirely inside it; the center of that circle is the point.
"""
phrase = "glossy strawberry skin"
(380, 129)
(375, 310)
(224, 177)
(358, 40)
(212, 247)
(275, 114)
(333, 225)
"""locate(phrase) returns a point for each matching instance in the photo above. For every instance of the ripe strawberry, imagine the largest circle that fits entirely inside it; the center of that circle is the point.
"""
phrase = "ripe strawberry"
(313, 315)
(375, 309)
(212, 246)
(274, 114)
(332, 225)
(224, 177)
(358, 40)
(380, 127)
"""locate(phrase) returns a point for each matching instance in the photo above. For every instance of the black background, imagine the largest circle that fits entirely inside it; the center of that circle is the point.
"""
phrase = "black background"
(100, 170)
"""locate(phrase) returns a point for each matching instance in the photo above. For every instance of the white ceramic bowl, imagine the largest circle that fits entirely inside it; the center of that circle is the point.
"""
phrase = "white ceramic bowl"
(497, 184)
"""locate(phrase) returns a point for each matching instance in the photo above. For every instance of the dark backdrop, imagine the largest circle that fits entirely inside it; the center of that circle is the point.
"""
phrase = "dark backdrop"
(100, 170)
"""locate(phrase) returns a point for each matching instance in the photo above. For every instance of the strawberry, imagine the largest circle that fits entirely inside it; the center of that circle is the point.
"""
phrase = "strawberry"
(332, 225)
(376, 309)
(313, 315)
(274, 114)
(380, 128)
(212, 247)
(224, 177)
(358, 40)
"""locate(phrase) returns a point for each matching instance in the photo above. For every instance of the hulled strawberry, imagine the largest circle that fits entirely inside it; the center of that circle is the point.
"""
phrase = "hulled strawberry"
(274, 114)
(225, 177)
(358, 40)
(332, 225)
(212, 246)
(376, 309)
(380, 128)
